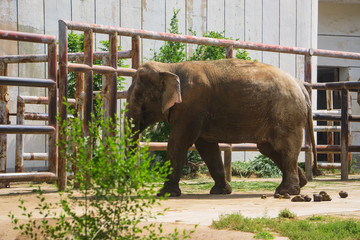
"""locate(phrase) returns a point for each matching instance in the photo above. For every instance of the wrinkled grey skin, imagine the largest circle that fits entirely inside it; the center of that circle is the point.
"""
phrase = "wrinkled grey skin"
(229, 101)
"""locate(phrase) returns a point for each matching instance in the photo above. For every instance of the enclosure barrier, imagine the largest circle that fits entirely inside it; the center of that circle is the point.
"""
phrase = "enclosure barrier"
(50, 129)
(136, 34)
(85, 65)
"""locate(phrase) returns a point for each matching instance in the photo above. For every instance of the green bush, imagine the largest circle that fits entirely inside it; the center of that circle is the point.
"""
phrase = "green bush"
(115, 194)
(260, 166)
(205, 52)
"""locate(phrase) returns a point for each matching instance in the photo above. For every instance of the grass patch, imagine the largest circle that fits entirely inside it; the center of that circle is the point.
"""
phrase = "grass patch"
(200, 185)
(315, 227)
(254, 186)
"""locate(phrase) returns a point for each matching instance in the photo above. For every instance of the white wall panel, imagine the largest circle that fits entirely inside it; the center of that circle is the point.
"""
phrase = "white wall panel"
(83, 11)
(303, 33)
(288, 34)
(196, 11)
(339, 30)
(271, 29)
(31, 19)
(130, 17)
(235, 19)
(107, 13)
(55, 10)
(153, 19)
(253, 25)
(215, 15)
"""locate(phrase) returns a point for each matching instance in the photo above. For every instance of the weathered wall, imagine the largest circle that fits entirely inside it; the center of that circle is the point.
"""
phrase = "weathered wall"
(284, 22)
(339, 29)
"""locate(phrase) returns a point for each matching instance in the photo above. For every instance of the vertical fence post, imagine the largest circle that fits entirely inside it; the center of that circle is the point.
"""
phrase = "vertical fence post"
(52, 108)
(112, 77)
(227, 163)
(330, 140)
(63, 82)
(344, 134)
(228, 153)
(229, 52)
(4, 116)
(79, 90)
(308, 156)
(88, 60)
(78, 95)
(19, 149)
(135, 49)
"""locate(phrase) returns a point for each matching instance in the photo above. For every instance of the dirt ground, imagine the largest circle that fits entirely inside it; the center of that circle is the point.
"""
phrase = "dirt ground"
(202, 208)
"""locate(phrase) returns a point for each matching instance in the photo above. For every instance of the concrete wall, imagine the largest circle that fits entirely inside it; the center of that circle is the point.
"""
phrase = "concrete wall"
(284, 22)
(339, 29)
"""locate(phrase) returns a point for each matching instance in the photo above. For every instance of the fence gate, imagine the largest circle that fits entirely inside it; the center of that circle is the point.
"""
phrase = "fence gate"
(50, 129)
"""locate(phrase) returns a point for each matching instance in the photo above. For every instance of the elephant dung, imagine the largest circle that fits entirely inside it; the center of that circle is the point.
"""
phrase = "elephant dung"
(317, 198)
(343, 194)
(286, 196)
(325, 196)
(298, 199)
(307, 198)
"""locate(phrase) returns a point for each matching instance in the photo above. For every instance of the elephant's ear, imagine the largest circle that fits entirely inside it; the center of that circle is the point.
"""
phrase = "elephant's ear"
(171, 92)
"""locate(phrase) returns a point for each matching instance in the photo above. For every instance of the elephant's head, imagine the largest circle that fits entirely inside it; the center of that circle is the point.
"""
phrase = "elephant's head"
(153, 92)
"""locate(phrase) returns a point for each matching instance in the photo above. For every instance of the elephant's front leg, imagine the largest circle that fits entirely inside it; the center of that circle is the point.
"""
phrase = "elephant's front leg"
(180, 140)
(211, 154)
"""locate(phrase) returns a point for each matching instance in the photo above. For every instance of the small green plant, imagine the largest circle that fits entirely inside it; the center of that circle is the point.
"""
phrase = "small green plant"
(116, 188)
(264, 235)
(286, 213)
(171, 52)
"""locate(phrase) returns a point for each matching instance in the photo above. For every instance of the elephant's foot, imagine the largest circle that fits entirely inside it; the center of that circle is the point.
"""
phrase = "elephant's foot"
(221, 189)
(287, 188)
(172, 189)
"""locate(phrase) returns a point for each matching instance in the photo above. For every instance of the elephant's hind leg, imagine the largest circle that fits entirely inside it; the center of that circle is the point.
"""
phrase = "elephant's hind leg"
(210, 153)
(286, 160)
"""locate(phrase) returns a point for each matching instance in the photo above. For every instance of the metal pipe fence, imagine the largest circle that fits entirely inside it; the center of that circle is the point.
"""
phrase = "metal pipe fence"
(229, 45)
(85, 69)
(22, 115)
(50, 129)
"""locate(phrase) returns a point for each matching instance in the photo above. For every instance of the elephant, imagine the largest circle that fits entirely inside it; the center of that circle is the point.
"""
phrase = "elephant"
(224, 101)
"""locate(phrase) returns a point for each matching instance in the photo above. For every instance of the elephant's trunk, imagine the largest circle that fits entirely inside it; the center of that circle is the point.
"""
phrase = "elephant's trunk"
(132, 127)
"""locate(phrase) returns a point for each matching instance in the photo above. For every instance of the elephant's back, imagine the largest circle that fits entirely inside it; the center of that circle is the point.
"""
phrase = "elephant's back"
(248, 97)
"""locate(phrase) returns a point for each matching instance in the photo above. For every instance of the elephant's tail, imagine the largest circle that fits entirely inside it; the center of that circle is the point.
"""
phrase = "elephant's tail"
(310, 130)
